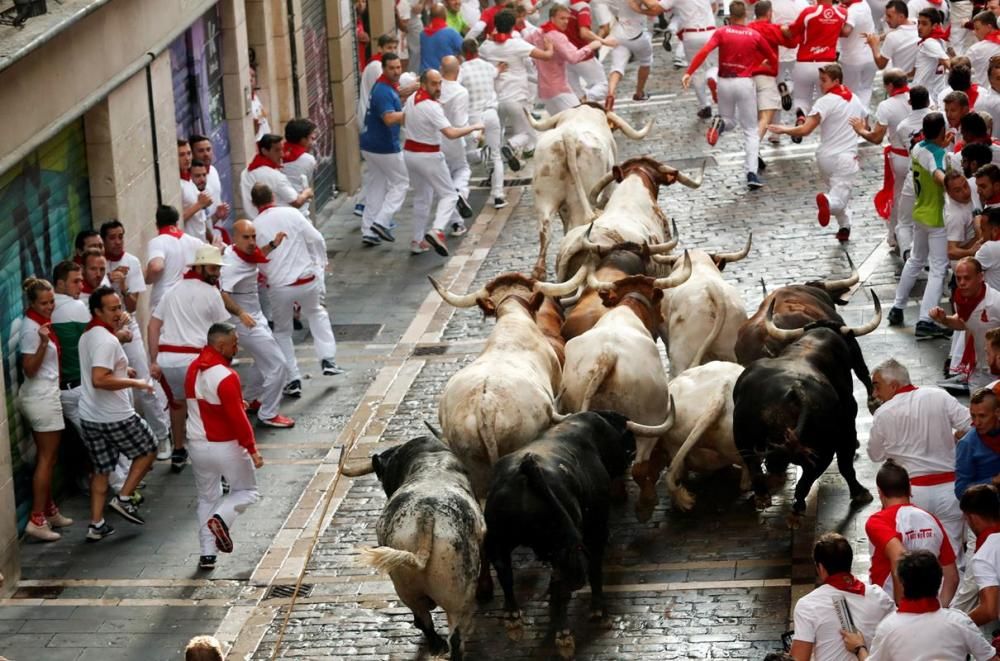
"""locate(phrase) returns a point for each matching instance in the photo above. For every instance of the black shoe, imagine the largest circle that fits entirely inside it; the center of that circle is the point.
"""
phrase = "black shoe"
(786, 97)
(206, 562)
(499, 203)
(705, 112)
(895, 317)
(220, 531)
(95, 534)
(666, 41)
(844, 234)
(926, 330)
(297, 325)
(761, 165)
(369, 241)
(383, 232)
(800, 119)
(331, 368)
(511, 158)
(128, 510)
(754, 182)
(292, 389)
(464, 210)
(178, 460)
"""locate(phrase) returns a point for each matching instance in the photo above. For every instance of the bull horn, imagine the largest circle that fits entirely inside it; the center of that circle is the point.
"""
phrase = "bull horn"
(658, 430)
(434, 430)
(844, 283)
(599, 187)
(690, 182)
(665, 259)
(763, 287)
(590, 245)
(783, 334)
(675, 279)
(558, 289)
(627, 129)
(665, 247)
(541, 124)
(738, 255)
(871, 325)
(572, 300)
(457, 300)
(357, 468)
(599, 285)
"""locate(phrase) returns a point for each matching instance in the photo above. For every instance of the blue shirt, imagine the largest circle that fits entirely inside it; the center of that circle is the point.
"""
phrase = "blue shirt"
(446, 41)
(975, 463)
(378, 137)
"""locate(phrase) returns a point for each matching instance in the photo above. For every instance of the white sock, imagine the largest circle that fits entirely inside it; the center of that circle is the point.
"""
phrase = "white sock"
(97, 524)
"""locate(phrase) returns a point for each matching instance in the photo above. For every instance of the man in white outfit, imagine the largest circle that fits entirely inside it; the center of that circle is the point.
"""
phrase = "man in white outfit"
(987, 46)
(295, 273)
(631, 32)
(168, 254)
(426, 128)
(901, 41)
(586, 78)
(265, 168)
(478, 77)
(218, 210)
(455, 103)
(387, 43)
(297, 163)
(855, 54)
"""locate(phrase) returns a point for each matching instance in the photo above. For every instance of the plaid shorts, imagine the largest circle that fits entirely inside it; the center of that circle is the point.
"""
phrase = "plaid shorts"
(104, 441)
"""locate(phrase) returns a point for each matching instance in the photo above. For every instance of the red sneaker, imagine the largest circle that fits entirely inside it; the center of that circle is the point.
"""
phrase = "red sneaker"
(714, 129)
(823, 209)
(253, 406)
(278, 421)
(713, 87)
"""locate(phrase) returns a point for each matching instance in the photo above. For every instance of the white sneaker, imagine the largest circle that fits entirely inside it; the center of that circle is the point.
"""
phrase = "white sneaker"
(43, 532)
(164, 448)
(419, 247)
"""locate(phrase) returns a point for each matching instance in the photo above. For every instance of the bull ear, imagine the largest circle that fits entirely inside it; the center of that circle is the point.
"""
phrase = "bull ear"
(378, 464)
(617, 172)
(720, 263)
(486, 305)
(609, 297)
(536, 301)
(657, 296)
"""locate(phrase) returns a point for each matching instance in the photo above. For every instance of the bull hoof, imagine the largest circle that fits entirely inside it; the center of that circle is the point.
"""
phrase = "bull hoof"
(762, 502)
(794, 521)
(644, 511)
(565, 644)
(682, 499)
(862, 498)
(514, 622)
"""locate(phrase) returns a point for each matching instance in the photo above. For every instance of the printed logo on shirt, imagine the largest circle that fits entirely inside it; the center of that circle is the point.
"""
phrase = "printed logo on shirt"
(923, 533)
(828, 13)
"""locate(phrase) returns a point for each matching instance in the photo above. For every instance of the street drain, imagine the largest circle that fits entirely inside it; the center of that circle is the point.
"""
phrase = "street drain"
(288, 591)
(356, 332)
(39, 592)
(431, 350)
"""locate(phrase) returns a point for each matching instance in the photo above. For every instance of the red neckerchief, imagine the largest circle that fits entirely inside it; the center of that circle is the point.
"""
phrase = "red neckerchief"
(190, 274)
(437, 24)
(256, 257)
(905, 89)
(186, 176)
(208, 358)
(78, 259)
(422, 95)
(993, 36)
(95, 322)
(964, 308)
(500, 37)
(385, 81)
(377, 57)
(907, 388)
(85, 288)
(973, 94)
(172, 230)
(549, 27)
(981, 537)
(42, 320)
(845, 582)
(259, 161)
(291, 152)
(114, 258)
(841, 91)
(937, 32)
(924, 605)
(471, 57)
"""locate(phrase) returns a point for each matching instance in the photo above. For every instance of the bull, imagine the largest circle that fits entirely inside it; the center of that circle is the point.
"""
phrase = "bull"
(554, 496)
(430, 533)
(799, 408)
(575, 148)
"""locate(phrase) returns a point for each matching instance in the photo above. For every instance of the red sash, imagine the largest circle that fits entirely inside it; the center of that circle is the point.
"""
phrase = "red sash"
(884, 198)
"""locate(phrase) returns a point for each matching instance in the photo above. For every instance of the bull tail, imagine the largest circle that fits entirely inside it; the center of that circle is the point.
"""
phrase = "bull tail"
(486, 423)
(542, 487)
(596, 375)
(793, 437)
(678, 493)
(569, 144)
(386, 559)
(713, 335)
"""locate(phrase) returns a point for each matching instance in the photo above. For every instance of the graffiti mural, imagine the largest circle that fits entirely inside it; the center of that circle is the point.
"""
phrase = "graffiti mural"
(44, 202)
(320, 98)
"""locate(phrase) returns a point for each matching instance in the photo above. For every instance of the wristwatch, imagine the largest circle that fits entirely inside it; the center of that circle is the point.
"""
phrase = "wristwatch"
(271, 243)
(859, 648)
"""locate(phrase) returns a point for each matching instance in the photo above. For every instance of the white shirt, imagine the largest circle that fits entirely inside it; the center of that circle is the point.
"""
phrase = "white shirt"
(900, 47)
(986, 563)
(989, 256)
(983, 318)
(989, 102)
(134, 282)
(284, 192)
(100, 348)
(176, 254)
(944, 635)
(979, 54)
(511, 85)
(914, 7)
(300, 175)
(916, 430)
(691, 14)
(455, 102)
(928, 70)
(958, 222)
(479, 77)
(853, 48)
(239, 280)
(188, 311)
(368, 77)
(46, 379)
(424, 121)
(784, 12)
(816, 619)
(197, 224)
(835, 134)
(630, 24)
(257, 111)
(889, 114)
(300, 255)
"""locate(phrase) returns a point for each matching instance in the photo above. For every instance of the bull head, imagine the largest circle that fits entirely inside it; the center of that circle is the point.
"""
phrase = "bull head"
(653, 431)
(837, 288)
(792, 334)
(666, 176)
(673, 280)
(651, 248)
(616, 122)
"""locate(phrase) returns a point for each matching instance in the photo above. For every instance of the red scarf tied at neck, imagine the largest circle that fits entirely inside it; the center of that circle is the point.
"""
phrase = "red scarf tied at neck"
(255, 257)
(260, 161)
(382, 79)
(907, 388)
(422, 95)
(924, 605)
(186, 175)
(937, 32)
(986, 532)
(437, 24)
(95, 323)
(973, 94)
(991, 440)
(993, 36)
(964, 308)
(291, 152)
(42, 320)
(114, 257)
(905, 89)
(549, 27)
(841, 90)
(845, 582)
(500, 37)
(171, 230)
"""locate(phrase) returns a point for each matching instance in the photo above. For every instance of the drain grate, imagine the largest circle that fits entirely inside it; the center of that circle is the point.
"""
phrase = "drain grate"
(288, 591)
(356, 332)
(430, 350)
(39, 592)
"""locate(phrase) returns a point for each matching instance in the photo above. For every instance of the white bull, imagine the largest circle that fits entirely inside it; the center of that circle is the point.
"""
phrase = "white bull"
(702, 316)
(575, 149)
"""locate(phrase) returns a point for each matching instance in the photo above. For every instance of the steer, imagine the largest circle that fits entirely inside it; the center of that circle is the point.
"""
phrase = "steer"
(799, 408)
(505, 397)
(631, 214)
(553, 496)
(576, 147)
(429, 533)
(703, 314)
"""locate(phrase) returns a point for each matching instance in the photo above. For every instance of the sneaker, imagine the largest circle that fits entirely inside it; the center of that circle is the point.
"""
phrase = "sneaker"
(127, 509)
(331, 368)
(97, 533)
(220, 531)
(843, 234)
(705, 113)
(800, 118)
(641, 97)
(292, 389)
(57, 520)
(679, 62)
(178, 460)
(464, 210)
(206, 562)
(499, 203)
(359, 210)
(43, 532)
(895, 316)
(822, 209)
(437, 241)
(383, 232)
(774, 138)
(761, 165)
(510, 158)
(279, 421)
(163, 448)
(458, 230)
(226, 487)
(666, 41)
(714, 129)
(957, 383)
(753, 181)
(926, 330)
(253, 406)
(786, 97)
(713, 87)
(370, 241)
(419, 247)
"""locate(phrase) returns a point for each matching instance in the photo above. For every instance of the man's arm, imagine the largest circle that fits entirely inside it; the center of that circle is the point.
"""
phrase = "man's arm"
(986, 611)
(872, 135)
(801, 650)
(949, 583)
(545, 53)
(233, 308)
(699, 58)
(881, 61)
(153, 344)
(800, 131)
(231, 400)
(454, 133)
(104, 379)
(154, 269)
(894, 551)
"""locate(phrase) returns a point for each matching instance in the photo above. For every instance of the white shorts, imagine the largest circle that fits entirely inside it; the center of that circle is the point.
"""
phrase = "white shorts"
(767, 93)
(174, 366)
(641, 48)
(43, 413)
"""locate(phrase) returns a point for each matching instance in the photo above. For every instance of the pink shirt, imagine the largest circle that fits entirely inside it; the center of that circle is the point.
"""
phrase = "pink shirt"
(552, 73)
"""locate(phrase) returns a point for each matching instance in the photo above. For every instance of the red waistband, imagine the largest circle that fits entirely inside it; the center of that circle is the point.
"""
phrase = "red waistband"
(898, 151)
(413, 145)
(932, 480)
(174, 348)
(302, 281)
(681, 32)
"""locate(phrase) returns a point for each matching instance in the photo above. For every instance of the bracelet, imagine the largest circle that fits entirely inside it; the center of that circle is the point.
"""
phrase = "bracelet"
(859, 648)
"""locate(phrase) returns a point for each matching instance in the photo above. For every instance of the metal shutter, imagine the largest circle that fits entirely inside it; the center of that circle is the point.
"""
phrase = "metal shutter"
(320, 100)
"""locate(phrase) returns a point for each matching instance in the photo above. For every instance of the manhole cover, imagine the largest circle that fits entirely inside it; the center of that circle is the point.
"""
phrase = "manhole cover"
(288, 591)
(431, 350)
(39, 592)
(356, 332)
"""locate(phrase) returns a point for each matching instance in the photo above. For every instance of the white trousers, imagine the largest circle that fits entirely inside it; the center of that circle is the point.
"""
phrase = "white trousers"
(152, 406)
(930, 246)
(904, 217)
(70, 400)
(520, 135)
(738, 105)
(458, 168)
(268, 374)
(639, 49)
(309, 296)
(693, 41)
(595, 80)
(560, 102)
(859, 78)
(384, 182)
(805, 78)
(429, 177)
(210, 460)
(837, 172)
(940, 501)
(900, 172)
(493, 134)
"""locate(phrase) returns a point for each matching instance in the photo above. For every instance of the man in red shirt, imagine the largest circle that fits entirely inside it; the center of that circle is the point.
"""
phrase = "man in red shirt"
(586, 78)
(817, 29)
(740, 50)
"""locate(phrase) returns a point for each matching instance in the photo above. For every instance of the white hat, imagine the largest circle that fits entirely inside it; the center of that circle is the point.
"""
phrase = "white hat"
(207, 256)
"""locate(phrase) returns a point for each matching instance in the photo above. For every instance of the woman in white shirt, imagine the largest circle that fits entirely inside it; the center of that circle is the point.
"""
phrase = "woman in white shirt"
(40, 404)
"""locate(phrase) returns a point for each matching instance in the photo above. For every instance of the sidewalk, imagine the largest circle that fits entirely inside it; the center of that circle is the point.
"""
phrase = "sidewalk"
(139, 594)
